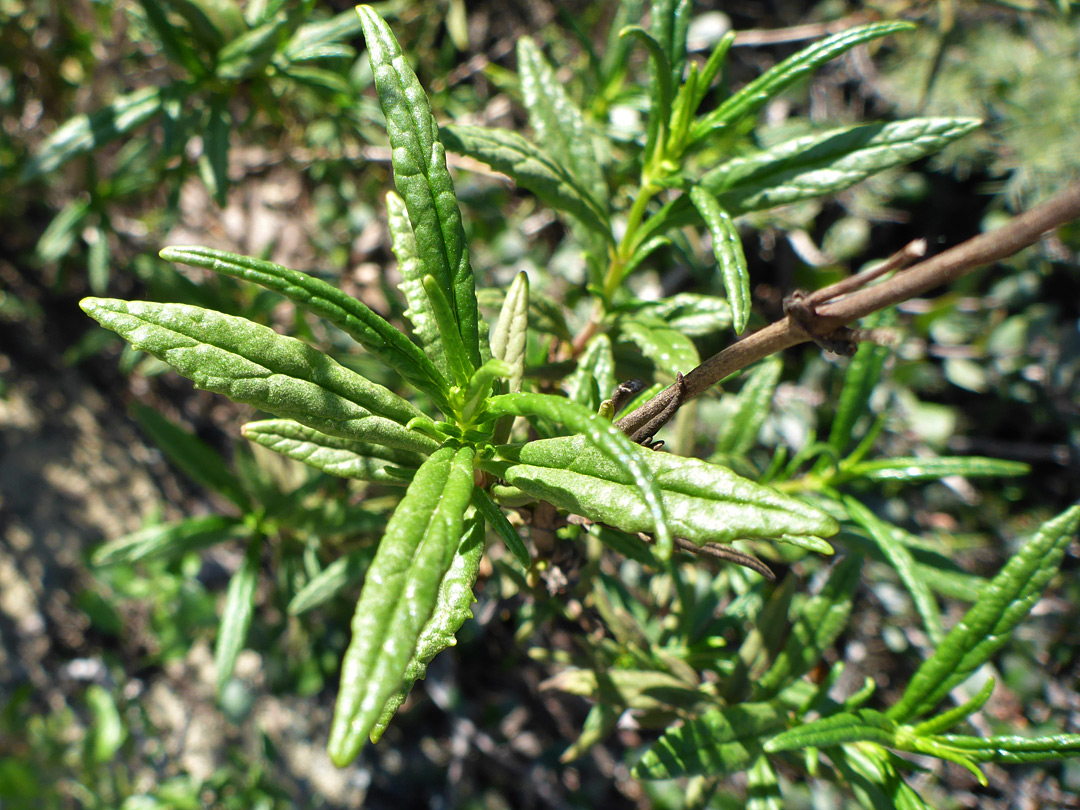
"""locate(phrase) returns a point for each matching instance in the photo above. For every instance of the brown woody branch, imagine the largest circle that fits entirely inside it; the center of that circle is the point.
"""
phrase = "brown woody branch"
(831, 316)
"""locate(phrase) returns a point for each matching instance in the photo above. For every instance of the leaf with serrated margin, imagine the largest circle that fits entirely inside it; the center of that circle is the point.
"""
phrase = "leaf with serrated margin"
(236, 617)
(530, 167)
(727, 247)
(828, 162)
(170, 540)
(253, 364)
(932, 469)
(595, 365)
(703, 502)
(721, 741)
(898, 556)
(621, 454)
(422, 178)
(985, 628)
(452, 608)
(669, 349)
(1014, 749)
(85, 133)
(819, 623)
(200, 462)
(326, 301)
(757, 93)
(557, 121)
(363, 461)
(862, 725)
(741, 428)
(329, 582)
(497, 520)
(403, 243)
(400, 594)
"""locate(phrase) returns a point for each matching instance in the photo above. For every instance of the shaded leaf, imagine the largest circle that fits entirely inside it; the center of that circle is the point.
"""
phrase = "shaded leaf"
(239, 609)
(497, 520)
(329, 582)
(170, 540)
(740, 431)
(594, 378)
(670, 350)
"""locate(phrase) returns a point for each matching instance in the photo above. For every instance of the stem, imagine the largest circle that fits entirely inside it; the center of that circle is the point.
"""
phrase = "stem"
(1011, 238)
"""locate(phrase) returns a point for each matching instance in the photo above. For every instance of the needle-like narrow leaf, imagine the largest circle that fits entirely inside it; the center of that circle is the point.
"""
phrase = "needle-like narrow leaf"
(422, 178)
(612, 443)
(1002, 605)
(457, 356)
(253, 364)
(170, 540)
(400, 594)
(452, 608)
(774, 81)
(333, 579)
(497, 520)
(932, 469)
(326, 301)
(739, 432)
(236, 617)
(727, 247)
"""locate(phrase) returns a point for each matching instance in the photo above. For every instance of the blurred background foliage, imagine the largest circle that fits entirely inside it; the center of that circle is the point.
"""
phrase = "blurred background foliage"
(125, 126)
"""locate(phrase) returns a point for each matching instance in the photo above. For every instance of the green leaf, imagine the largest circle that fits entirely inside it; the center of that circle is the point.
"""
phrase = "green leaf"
(903, 563)
(497, 520)
(703, 502)
(693, 315)
(818, 624)
(719, 742)
(508, 337)
(98, 260)
(957, 714)
(863, 725)
(669, 349)
(774, 81)
(329, 582)
(763, 787)
(421, 176)
(320, 79)
(347, 458)
(419, 311)
(452, 608)
(641, 252)
(326, 301)
(400, 594)
(253, 364)
(643, 690)
(236, 617)
(623, 456)
(1002, 605)
(727, 247)
(596, 367)
(826, 163)
(251, 52)
(214, 160)
(712, 68)
(557, 122)
(62, 231)
(740, 431)
(457, 356)
(174, 39)
(85, 133)
(198, 461)
(661, 87)
(310, 40)
(860, 379)
(170, 540)
(1014, 750)
(932, 469)
(872, 774)
(106, 733)
(212, 23)
(530, 167)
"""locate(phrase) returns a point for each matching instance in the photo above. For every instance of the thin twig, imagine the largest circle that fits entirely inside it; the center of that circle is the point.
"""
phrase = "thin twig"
(1011, 238)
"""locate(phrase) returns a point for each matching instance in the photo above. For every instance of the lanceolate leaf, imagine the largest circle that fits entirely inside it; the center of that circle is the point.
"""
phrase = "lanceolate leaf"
(703, 502)
(497, 520)
(84, 133)
(253, 364)
(347, 458)
(342, 310)
(669, 349)
(170, 539)
(325, 585)
(530, 167)
(400, 594)
(661, 86)
(719, 742)
(557, 121)
(508, 336)
(931, 469)
(1014, 749)
(739, 432)
(596, 366)
(1002, 605)
(774, 81)
(727, 247)
(422, 178)
(847, 727)
(815, 165)
(623, 456)
(862, 375)
(452, 608)
(239, 608)
(403, 242)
